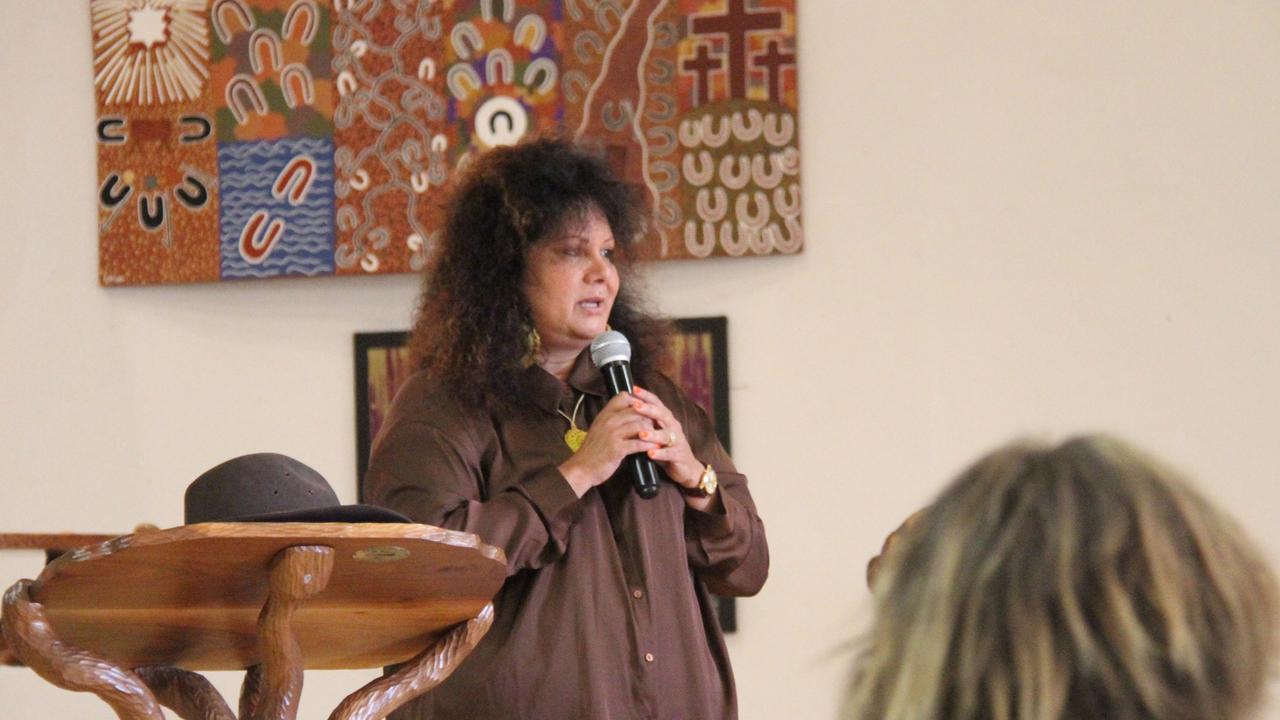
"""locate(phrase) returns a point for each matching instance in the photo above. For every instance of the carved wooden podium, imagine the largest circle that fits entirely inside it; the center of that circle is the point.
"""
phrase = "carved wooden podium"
(131, 619)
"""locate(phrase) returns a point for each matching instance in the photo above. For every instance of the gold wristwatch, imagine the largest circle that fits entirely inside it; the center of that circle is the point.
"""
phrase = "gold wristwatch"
(707, 484)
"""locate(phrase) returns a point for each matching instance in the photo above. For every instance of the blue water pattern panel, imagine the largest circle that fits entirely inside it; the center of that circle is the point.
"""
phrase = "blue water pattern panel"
(277, 207)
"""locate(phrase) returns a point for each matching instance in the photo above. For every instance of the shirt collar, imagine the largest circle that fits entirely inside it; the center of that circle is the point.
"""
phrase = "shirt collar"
(546, 390)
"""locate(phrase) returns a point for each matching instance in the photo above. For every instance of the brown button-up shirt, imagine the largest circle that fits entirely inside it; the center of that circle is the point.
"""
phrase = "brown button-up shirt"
(605, 613)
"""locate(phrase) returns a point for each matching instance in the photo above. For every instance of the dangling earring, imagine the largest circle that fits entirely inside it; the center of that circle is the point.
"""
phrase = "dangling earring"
(532, 347)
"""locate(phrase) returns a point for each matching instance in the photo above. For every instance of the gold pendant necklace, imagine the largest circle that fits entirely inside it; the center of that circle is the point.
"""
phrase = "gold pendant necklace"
(574, 436)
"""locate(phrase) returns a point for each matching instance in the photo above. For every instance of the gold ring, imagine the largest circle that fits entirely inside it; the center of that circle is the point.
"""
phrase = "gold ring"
(671, 438)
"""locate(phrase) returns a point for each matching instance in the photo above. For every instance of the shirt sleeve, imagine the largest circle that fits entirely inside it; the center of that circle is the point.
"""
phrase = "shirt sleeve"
(727, 547)
(433, 471)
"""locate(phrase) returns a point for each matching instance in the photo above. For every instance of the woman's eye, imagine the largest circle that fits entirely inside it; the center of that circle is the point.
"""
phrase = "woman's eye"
(608, 253)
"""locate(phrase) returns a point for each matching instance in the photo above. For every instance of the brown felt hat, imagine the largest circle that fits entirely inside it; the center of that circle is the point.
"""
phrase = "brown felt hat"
(269, 487)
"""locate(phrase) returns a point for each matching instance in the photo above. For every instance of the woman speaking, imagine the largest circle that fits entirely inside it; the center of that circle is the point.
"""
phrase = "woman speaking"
(508, 431)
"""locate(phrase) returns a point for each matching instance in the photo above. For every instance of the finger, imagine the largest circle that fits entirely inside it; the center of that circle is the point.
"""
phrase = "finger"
(657, 413)
(645, 396)
(663, 454)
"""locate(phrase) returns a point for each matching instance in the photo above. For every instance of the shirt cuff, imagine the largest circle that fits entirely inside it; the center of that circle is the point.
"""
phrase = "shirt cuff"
(549, 491)
(716, 523)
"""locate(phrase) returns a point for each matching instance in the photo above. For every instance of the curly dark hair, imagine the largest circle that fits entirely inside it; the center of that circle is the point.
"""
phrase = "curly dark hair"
(472, 319)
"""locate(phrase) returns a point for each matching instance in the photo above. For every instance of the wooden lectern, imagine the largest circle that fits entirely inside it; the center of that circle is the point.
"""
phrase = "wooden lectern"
(131, 619)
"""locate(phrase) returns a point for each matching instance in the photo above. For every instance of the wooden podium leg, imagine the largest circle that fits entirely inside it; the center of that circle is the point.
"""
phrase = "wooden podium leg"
(30, 637)
(430, 668)
(188, 694)
(297, 573)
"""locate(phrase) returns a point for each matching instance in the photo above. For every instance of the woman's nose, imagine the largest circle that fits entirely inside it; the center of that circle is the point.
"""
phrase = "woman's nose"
(598, 268)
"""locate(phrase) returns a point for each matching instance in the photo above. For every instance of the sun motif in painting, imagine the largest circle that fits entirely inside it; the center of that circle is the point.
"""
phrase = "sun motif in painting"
(150, 52)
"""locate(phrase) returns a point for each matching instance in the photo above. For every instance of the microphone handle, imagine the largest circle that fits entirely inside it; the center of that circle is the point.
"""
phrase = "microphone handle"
(644, 475)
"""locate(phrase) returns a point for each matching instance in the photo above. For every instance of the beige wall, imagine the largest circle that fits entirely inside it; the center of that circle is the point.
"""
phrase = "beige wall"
(1023, 217)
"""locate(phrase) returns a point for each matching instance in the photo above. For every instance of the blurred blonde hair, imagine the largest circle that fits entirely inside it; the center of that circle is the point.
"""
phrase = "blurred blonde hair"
(1077, 581)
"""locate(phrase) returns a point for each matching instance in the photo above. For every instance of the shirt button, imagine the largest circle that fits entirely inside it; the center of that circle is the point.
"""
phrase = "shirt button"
(637, 594)
(648, 657)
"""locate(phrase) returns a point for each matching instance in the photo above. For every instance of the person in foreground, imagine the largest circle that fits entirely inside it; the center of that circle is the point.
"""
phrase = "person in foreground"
(605, 612)
(1072, 582)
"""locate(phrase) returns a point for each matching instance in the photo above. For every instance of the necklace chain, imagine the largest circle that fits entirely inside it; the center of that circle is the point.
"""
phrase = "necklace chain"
(574, 436)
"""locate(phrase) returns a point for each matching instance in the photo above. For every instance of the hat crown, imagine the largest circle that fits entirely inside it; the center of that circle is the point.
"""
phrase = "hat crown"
(253, 485)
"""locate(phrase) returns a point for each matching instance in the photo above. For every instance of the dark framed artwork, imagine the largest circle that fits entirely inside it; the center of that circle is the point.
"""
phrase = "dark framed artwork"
(699, 363)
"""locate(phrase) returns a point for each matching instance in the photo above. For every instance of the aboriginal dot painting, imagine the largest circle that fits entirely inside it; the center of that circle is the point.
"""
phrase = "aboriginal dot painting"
(270, 138)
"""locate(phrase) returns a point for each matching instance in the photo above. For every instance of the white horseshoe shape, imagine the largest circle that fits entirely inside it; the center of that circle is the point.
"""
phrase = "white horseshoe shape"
(463, 81)
(669, 214)
(747, 132)
(346, 83)
(668, 110)
(420, 182)
(670, 176)
(499, 67)
(359, 48)
(415, 243)
(572, 78)
(297, 85)
(410, 151)
(615, 121)
(709, 212)
(701, 173)
(220, 25)
(369, 263)
(661, 71)
(788, 244)
(541, 66)
(439, 143)
(665, 35)
(463, 33)
(756, 240)
(360, 181)
(735, 247)
(346, 218)
(536, 28)
(742, 210)
(690, 133)
(778, 129)
(607, 5)
(588, 37)
(432, 27)
(311, 20)
(662, 140)
(787, 201)
(486, 10)
(268, 37)
(732, 180)
(699, 247)
(243, 89)
(769, 178)
(718, 137)
(427, 69)
(790, 161)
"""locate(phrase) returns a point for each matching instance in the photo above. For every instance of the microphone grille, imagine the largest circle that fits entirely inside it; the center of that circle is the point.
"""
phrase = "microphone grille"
(610, 346)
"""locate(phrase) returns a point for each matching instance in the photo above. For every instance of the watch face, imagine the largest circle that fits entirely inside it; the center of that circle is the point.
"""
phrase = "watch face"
(709, 482)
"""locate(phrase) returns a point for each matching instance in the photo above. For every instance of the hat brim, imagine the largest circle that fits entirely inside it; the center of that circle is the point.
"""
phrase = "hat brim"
(340, 514)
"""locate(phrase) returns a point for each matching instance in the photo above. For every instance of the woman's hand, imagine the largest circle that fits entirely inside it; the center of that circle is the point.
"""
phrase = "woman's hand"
(618, 431)
(673, 452)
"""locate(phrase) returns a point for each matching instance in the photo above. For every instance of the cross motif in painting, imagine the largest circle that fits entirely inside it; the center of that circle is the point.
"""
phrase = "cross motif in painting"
(267, 138)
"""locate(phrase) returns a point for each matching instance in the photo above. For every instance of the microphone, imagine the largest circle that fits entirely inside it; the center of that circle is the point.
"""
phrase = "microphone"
(611, 352)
